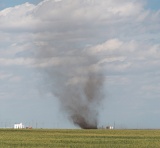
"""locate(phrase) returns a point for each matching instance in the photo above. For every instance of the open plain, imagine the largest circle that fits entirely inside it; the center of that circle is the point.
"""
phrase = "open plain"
(49, 138)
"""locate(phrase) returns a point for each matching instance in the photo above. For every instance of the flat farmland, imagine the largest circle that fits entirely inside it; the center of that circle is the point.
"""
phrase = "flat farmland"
(45, 138)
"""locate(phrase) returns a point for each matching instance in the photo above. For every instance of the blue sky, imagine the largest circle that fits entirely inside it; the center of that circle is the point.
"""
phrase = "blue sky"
(124, 38)
(8, 3)
(154, 4)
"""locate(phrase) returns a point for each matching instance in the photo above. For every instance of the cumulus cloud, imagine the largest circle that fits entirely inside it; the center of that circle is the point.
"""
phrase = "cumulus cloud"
(17, 19)
(112, 29)
(16, 61)
(75, 24)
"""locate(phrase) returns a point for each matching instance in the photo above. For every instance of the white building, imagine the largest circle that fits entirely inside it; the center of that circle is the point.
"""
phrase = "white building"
(109, 127)
(18, 126)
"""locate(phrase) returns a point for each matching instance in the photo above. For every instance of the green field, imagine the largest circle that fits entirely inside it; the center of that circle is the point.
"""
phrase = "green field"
(42, 138)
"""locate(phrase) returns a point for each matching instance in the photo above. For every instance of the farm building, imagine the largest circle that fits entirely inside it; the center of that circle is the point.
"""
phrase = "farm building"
(18, 126)
(109, 127)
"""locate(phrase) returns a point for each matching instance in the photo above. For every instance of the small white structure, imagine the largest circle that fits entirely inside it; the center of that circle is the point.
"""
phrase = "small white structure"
(18, 126)
(109, 127)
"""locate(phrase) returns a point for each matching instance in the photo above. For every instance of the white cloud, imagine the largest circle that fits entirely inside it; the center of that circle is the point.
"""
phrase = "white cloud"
(70, 20)
(110, 46)
(111, 59)
(126, 8)
(18, 18)
(16, 61)
(66, 22)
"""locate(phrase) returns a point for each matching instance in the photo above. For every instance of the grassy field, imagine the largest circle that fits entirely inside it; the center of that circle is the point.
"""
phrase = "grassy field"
(41, 138)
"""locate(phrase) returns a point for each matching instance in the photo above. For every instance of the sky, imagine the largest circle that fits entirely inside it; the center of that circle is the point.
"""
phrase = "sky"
(124, 35)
